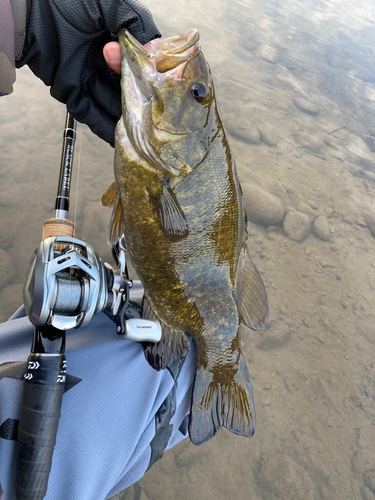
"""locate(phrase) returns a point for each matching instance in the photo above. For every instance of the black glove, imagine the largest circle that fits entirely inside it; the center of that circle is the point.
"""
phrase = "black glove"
(64, 47)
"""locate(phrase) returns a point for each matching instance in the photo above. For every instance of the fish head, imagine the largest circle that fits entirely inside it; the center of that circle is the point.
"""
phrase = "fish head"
(168, 101)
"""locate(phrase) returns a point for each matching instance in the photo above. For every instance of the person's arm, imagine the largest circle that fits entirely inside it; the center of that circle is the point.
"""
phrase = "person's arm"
(8, 28)
(64, 47)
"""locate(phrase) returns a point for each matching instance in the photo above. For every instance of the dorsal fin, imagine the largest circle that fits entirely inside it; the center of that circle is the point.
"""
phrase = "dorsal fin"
(109, 197)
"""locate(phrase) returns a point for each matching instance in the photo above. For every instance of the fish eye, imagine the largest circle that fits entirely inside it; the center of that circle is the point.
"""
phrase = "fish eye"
(199, 91)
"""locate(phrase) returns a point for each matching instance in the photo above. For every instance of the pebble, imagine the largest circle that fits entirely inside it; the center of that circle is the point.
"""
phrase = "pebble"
(296, 226)
(243, 130)
(361, 161)
(269, 54)
(306, 209)
(280, 477)
(366, 438)
(277, 336)
(311, 144)
(369, 219)
(305, 106)
(268, 134)
(370, 141)
(262, 207)
(6, 268)
(368, 175)
(333, 60)
(322, 228)
(366, 493)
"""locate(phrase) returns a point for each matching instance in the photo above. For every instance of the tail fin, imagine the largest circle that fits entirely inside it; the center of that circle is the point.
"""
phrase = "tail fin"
(222, 402)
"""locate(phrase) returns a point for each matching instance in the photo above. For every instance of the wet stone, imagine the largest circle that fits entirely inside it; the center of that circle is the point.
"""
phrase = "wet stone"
(269, 54)
(333, 60)
(367, 494)
(280, 477)
(370, 141)
(369, 480)
(309, 143)
(322, 229)
(6, 268)
(277, 336)
(296, 226)
(243, 130)
(305, 106)
(369, 219)
(361, 161)
(366, 438)
(268, 134)
(262, 207)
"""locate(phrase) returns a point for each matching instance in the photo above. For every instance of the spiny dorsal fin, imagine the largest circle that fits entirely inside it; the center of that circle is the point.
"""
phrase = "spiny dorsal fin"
(116, 224)
(109, 197)
(172, 348)
(251, 295)
(168, 211)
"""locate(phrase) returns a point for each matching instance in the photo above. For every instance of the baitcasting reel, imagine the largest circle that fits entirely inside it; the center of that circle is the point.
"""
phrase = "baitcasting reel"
(65, 288)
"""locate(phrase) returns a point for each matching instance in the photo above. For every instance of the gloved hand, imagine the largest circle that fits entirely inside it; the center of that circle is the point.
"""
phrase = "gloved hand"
(64, 47)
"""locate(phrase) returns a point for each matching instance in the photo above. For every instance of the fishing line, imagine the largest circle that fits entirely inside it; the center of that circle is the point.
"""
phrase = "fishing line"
(79, 166)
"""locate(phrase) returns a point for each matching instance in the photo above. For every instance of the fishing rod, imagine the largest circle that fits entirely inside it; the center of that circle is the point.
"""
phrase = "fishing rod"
(66, 284)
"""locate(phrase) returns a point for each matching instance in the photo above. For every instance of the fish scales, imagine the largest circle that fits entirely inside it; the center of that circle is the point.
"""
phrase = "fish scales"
(180, 206)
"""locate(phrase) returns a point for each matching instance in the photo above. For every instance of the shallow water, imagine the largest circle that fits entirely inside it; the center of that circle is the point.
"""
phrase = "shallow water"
(296, 86)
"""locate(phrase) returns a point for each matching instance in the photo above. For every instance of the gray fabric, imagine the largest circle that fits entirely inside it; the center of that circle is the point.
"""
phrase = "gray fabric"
(7, 54)
(19, 19)
(107, 419)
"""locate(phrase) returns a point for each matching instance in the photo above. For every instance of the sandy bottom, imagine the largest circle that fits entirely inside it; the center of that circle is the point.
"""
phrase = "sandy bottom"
(295, 83)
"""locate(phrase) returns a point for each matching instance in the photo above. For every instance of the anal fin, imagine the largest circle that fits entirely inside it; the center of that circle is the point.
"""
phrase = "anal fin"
(172, 348)
(251, 295)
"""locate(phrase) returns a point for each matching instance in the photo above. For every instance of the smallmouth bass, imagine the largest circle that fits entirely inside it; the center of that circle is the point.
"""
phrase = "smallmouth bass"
(178, 201)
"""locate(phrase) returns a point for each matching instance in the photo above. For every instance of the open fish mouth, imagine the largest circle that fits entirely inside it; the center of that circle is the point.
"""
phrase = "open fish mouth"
(165, 54)
(162, 119)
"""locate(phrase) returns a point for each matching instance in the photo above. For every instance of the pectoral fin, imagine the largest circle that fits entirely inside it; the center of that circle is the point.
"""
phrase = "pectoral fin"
(251, 295)
(168, 212)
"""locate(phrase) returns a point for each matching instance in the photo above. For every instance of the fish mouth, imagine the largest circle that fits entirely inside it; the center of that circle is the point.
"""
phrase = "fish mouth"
(165, 54)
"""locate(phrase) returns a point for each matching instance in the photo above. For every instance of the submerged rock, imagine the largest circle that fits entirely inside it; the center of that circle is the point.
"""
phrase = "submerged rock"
(268, 134)
(369, 219)
(262, 207)
(322, 228)
(282, 478)
(296, 226)
(243, 130)
(269, 54)
(333, 60)
(370, 141)
(305, 106)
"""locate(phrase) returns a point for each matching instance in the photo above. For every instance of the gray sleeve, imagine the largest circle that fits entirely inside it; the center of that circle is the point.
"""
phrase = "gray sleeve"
(7, 71)
(12, 36)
